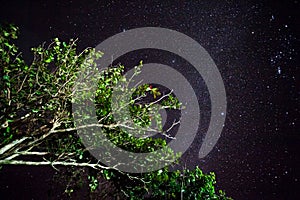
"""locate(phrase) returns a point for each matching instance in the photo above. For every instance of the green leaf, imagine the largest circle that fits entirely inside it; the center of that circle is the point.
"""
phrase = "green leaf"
(7, 129)
(6, 77)
(48, 60)
(35, 110)
(38, 92)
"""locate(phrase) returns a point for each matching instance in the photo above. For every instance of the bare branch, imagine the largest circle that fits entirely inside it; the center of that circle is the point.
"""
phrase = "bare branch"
(12, 144)
(54, 163)
(161, 98)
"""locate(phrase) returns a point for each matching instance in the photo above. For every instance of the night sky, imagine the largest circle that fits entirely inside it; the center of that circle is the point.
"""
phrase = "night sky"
(254, 44)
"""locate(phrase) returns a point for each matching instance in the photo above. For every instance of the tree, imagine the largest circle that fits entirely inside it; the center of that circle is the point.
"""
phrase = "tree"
(38, 125)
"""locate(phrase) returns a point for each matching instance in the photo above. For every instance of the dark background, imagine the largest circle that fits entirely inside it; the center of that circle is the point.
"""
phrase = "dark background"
(255, 45)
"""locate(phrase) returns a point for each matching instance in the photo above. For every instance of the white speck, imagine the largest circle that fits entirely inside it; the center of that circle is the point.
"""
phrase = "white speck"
(252, 32)
(279, 70)
(173, 61)
(124, 29)
(222, 113)
(272, 18)
(285, 26)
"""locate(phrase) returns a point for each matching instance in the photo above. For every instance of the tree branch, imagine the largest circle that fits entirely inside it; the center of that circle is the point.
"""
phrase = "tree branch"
(12, 144)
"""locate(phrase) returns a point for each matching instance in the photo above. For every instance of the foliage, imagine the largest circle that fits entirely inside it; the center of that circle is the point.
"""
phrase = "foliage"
(37, 123)
(189, 184)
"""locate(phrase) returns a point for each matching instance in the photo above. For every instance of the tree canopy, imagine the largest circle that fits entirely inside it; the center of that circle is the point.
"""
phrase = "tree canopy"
(38, 127)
